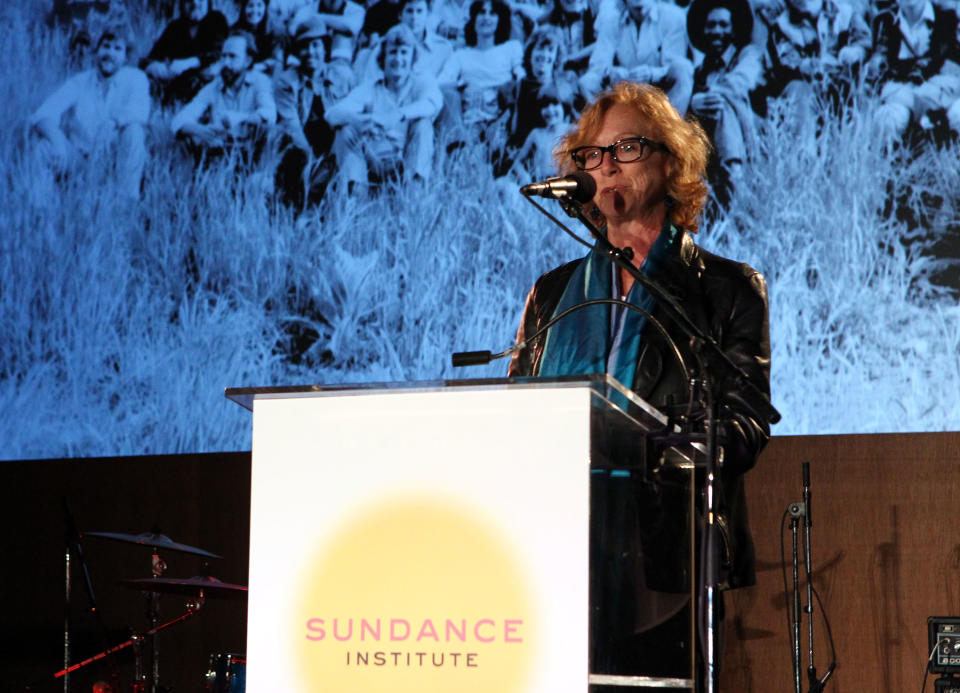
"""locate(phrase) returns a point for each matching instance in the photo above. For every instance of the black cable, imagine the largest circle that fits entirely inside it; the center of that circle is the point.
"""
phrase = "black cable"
(558, 222)
(926, 669)
(675, 350)
(786, 587)
(823, 613)
(486, 357)
(833, 649)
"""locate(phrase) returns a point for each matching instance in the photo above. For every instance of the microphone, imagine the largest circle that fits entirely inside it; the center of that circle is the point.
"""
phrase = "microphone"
(578, 185)
(472, 358)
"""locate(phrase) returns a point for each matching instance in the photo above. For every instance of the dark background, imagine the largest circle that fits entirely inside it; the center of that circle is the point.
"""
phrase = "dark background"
(199, 500)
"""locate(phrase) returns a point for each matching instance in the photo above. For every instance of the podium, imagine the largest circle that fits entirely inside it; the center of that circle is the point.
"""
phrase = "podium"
(437, 536)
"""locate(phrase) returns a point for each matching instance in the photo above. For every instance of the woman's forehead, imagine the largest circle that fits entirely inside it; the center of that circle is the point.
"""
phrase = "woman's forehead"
(620, 120)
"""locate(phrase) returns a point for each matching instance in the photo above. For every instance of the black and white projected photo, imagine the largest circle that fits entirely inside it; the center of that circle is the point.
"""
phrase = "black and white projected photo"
(201, 194)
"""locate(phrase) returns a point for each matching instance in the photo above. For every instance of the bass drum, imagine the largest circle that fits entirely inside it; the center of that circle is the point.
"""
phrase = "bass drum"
(227, 673)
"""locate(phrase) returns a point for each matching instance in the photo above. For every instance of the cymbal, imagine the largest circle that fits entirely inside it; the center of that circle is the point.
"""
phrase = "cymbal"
(207, 584)
(153, 540)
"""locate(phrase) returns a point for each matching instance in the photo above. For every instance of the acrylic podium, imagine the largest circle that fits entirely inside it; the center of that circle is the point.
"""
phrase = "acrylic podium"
(436, 536)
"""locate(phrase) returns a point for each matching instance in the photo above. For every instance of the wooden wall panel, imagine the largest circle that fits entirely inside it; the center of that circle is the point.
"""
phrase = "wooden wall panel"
(886, 555)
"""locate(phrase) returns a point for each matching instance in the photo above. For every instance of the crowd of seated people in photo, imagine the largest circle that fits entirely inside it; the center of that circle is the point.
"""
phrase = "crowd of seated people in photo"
(357, 95)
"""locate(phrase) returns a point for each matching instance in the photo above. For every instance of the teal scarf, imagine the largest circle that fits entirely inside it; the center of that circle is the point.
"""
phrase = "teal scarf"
(603, 338)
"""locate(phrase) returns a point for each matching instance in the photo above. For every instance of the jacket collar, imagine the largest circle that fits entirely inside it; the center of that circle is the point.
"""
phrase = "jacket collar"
(687, 254)
(687, 249)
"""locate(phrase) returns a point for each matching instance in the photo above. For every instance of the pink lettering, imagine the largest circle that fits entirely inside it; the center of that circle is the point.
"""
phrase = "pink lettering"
(336, 631)
(476, 630)
(485, 630)
(510, 628)
(394, 622)
(452, 628)
(365, 628)
(315, 625)
(427, 631)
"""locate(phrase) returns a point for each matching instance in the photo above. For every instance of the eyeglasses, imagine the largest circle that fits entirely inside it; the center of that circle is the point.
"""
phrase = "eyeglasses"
(625, 151)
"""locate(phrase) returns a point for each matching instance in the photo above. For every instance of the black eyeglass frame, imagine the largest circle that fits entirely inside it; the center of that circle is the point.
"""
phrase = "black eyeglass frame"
(647, 147)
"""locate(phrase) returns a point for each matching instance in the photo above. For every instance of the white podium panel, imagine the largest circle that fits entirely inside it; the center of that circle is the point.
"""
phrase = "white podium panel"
(420, 540)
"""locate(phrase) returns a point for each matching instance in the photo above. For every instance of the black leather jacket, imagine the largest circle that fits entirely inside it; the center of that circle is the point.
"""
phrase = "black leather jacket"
(728, 300)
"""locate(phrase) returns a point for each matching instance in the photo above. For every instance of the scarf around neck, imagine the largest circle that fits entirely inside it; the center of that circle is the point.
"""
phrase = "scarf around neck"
(603, 338)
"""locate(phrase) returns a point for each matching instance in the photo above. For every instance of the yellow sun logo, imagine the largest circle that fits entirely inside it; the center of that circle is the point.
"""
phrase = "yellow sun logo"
(416, 595)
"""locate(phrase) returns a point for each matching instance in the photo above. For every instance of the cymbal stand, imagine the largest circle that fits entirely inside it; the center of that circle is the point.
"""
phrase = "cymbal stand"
(139, 677)
(73, 547)
(157, 568)
(66, 618)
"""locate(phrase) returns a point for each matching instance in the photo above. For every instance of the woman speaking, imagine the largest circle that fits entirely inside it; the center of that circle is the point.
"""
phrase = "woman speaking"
(649, 166)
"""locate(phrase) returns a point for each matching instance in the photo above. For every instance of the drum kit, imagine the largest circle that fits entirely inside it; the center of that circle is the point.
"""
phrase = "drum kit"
(226, 672)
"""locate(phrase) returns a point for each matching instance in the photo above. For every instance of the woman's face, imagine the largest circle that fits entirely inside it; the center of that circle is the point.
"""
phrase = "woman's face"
(487, 20)
(627, 192)
(254, 11)
(542, 61)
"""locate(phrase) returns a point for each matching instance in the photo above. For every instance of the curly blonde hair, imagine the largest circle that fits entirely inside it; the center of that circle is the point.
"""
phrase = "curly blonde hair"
(688, 144)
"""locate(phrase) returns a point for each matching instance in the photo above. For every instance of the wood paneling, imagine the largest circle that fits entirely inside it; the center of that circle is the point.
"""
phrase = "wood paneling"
(886, 555)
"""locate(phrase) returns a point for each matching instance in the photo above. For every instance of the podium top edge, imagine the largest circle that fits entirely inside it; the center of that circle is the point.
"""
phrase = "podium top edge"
(602, 383)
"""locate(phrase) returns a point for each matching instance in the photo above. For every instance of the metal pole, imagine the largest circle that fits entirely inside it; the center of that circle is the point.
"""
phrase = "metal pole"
(808, 570)
(796, 511)
(66, 618)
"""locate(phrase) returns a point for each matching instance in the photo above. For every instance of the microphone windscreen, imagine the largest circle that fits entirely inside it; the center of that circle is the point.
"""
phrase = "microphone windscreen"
(586, 186)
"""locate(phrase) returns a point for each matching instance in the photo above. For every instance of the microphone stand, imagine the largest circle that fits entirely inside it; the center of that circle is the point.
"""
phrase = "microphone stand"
(798, 511)
(710, 360)
(815, 685)
(705, 349)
